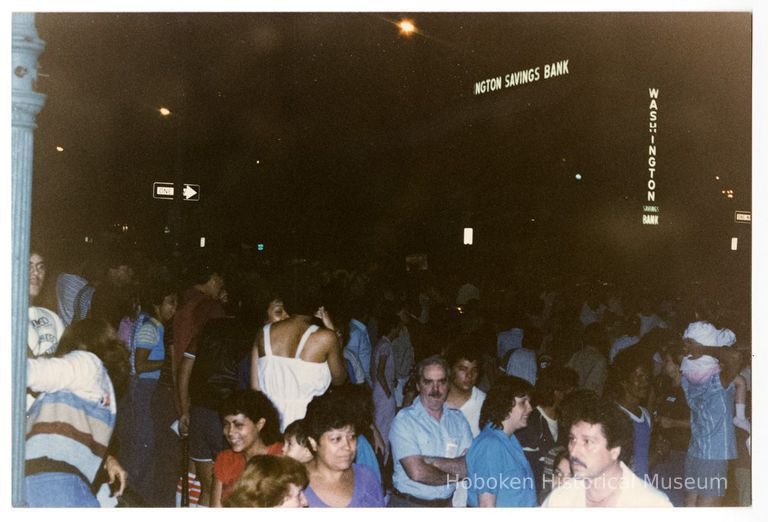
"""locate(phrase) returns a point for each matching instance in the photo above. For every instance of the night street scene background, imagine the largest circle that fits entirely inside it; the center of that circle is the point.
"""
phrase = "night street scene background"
(335, 137)
(580, 155)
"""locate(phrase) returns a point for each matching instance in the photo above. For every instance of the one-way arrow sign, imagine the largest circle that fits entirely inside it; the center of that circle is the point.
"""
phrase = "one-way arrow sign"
(191, 192)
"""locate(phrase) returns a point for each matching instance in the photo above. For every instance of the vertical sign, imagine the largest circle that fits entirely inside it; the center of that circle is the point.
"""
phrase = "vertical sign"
(650, 208)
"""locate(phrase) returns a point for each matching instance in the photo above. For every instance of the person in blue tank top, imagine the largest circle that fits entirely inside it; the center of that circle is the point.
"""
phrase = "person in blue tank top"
(628, 384)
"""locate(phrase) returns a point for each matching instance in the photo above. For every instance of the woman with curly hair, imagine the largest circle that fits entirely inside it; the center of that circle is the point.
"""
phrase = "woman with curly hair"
(252, 427)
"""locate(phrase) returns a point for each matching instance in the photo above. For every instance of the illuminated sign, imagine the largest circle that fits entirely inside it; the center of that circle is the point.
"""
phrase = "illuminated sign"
(468, 236)
(162, 190)
(191, 192)
(650, 209)
(521, 77)
(743, 216)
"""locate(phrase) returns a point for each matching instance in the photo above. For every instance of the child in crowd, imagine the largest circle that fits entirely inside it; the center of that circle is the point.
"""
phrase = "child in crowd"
(270, 481)
(296, 443)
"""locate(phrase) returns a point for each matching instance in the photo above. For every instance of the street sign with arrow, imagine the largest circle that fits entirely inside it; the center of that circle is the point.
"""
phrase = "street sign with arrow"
(191, 192)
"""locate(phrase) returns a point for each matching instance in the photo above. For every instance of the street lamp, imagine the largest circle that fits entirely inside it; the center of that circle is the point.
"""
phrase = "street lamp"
(407, 28)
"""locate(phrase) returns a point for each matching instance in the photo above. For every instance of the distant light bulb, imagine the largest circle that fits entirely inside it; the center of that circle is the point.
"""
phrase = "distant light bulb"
(164, 112)
(60, 149)
(578, 177)
(406, 27)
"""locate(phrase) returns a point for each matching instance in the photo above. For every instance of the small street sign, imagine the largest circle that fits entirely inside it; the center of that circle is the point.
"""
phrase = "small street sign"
(191, 192)
(162, 190)
(743, 216)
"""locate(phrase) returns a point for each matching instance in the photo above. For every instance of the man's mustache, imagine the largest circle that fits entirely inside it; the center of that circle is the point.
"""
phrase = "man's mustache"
(574, 460)
(437, 394)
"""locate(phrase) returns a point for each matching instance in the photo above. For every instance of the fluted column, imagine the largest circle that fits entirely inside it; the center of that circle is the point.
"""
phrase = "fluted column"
(26, 105)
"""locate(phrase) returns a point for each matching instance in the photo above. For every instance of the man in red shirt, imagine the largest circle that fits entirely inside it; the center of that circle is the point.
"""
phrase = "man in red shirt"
(200, 303)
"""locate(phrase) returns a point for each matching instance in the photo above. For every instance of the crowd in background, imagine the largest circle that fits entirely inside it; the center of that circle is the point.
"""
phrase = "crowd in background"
(246, 383)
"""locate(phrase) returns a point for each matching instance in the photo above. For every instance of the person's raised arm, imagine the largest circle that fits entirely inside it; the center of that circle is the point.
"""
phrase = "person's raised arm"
(335, 359)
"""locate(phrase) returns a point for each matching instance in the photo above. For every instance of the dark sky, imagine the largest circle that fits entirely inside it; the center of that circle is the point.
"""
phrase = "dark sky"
(332, 133)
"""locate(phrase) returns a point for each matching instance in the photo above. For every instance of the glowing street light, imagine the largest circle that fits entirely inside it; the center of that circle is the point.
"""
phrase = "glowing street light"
(164, 111)
(60, 148)
(406, 27)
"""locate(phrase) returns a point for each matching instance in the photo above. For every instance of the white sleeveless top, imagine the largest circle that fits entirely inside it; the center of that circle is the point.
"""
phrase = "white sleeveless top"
(289, 382)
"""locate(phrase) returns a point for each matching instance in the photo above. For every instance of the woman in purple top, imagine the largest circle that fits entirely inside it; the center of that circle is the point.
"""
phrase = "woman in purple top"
(334, 481)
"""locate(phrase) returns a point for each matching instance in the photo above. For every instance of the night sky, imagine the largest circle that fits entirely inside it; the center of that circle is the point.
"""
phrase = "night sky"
(333, 136)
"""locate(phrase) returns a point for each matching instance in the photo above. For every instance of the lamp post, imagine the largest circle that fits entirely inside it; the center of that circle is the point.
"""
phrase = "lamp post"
(26, 105)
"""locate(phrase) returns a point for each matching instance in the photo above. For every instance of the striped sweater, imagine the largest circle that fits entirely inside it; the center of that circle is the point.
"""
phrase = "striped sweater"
(70, 424)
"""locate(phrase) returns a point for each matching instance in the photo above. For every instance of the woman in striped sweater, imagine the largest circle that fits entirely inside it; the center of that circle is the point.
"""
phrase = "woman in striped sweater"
(70, 424)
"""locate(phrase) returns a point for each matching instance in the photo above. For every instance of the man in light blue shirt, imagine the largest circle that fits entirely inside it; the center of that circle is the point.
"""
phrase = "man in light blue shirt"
(359, 346)
(429, 441)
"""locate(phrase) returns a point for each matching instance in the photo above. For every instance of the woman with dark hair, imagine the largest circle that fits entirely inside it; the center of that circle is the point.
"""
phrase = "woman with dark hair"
(628, 385)
(45, 325)
(70, 424)
(334, 479)
(270, 481)
(496, 454)
(294, 360)
(251, 427)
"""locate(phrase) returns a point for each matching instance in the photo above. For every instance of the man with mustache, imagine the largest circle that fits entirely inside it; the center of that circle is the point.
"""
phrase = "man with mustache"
(600, 439)
(429, 441)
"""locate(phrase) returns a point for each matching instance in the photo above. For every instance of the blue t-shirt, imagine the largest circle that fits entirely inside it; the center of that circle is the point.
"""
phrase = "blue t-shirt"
(496, 464)
(367, 491)
(149, 336)
(367, 456)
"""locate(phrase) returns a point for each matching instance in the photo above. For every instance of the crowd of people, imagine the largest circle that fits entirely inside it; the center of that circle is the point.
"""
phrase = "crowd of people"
(231, 382)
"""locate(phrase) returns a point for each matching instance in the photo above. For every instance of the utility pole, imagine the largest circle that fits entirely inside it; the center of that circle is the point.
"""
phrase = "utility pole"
(26, 104)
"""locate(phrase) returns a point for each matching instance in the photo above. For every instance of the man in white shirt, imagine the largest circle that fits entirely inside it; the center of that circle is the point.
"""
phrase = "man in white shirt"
(598, 435)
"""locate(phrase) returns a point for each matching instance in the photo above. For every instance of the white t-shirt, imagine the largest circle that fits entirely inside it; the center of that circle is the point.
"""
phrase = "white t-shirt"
(44, 332)
(471, 410)
(634, 493)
